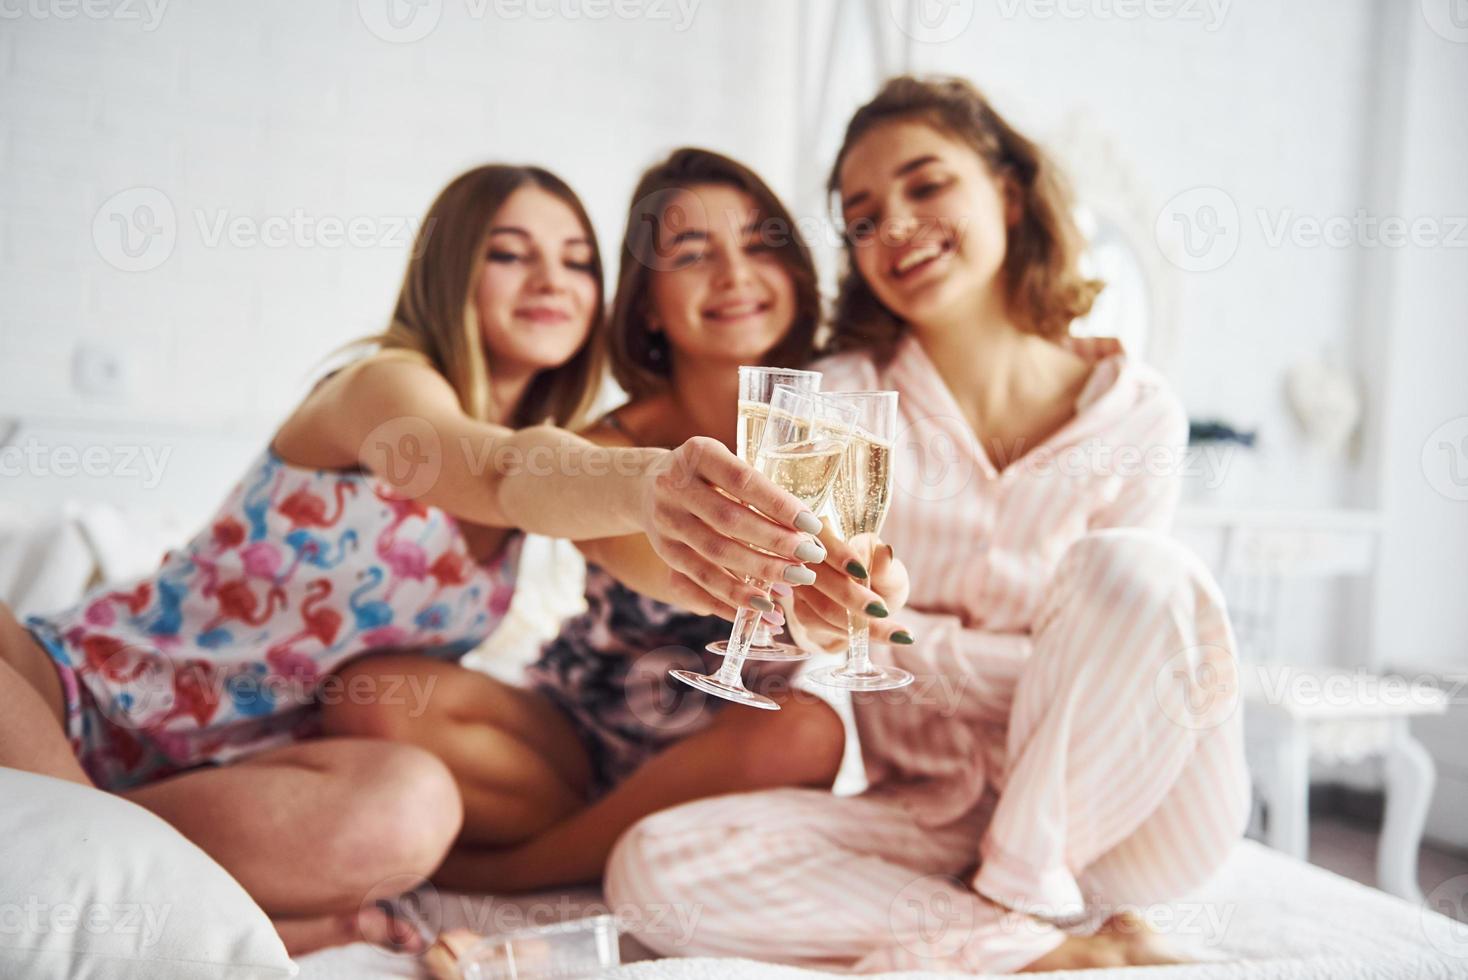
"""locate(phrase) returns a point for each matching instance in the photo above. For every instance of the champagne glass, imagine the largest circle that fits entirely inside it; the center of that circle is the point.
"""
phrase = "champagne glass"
(860, 498)
(756, 387)
(801, 448)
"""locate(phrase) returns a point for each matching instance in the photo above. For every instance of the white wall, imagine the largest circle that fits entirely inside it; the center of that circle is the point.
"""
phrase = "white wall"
(1263, 104)
(267, 110)
(271, 109)
(1422, 598)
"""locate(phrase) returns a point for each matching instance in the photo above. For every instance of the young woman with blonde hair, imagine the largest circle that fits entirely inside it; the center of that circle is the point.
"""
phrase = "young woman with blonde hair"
(385, 514)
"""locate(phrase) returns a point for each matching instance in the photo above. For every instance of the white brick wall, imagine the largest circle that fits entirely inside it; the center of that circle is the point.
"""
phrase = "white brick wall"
(268, 109)
(261, 108)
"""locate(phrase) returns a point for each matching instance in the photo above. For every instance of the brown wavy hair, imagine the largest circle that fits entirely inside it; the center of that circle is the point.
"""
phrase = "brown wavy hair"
(435, 316)
(639, 356)
(1043, 284)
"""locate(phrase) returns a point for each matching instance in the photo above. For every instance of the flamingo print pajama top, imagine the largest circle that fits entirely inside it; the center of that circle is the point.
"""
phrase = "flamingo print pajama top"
(226, 649)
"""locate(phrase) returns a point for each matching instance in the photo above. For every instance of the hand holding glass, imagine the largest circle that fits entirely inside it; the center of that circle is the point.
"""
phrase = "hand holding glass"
(862, 494)
(800, 450)
(756, 388)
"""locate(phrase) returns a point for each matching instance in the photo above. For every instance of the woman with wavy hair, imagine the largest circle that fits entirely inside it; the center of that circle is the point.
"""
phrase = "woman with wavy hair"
(1079, 752)
(712, 277)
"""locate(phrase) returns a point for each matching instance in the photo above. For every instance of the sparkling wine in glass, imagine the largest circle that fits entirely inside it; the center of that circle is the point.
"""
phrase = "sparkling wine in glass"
(801, 449)
(860, 499)
(756, 387)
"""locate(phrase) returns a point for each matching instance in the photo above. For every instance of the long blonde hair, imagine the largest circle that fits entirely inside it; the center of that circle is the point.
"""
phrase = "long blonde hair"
(435, 316)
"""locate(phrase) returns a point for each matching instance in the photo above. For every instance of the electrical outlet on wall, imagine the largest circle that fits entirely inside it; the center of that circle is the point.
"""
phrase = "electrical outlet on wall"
(100, 371)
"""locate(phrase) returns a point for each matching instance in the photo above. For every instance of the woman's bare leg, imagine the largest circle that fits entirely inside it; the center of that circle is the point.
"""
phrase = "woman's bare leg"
(312, 831)
(32, 712)
(318, 827)
(518, 762)
(742, 750)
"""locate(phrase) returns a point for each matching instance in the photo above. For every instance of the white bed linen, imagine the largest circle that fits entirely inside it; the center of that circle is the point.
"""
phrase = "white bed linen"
(1274, 917)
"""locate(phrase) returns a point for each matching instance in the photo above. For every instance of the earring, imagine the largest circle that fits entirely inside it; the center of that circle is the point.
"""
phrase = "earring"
(657, 345)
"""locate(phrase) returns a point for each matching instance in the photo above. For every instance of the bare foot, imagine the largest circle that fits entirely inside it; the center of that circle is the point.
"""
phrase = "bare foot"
(1124, 940)
(1145, 946)
(442, 960)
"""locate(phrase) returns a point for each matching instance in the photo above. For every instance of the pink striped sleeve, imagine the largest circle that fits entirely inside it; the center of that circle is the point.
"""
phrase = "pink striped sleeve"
(1149, 455)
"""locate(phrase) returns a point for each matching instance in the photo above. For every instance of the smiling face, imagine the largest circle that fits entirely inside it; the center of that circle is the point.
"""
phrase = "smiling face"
(927, 223)
(720, 292)
(537, 288)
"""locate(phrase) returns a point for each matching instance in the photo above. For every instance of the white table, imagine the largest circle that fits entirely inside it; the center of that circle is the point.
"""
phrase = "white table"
(1293, 714)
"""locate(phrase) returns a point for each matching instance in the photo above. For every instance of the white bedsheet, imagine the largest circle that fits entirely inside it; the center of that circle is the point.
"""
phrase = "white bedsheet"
(1272, 916)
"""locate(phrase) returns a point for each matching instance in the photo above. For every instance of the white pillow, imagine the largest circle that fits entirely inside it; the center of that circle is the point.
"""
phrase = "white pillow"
(93, 887)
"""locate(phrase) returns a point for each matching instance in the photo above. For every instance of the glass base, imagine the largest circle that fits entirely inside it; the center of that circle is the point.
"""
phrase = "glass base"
(874, 679)
(773, 652)
(709, 684)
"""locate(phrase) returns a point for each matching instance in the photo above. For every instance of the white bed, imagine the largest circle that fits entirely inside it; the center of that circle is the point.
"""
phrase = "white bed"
(1271, 916)
(1266, 914)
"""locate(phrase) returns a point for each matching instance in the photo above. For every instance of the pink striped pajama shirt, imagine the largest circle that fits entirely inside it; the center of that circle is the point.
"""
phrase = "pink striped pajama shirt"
(1071, 744)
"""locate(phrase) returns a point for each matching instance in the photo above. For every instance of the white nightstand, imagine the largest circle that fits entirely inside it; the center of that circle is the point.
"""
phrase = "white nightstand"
(1293, 713)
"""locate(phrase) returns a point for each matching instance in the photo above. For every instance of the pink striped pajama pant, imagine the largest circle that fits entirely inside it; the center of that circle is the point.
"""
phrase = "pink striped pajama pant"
(1121, 783)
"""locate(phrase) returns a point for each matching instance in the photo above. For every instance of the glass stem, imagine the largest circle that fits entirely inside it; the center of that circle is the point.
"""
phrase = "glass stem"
(858, 649)
(740, 637)
(762, 636)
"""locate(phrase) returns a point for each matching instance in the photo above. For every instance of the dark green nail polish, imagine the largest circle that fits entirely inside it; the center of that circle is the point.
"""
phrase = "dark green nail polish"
(877, 609)
(856, 568)
(902, 636)
(762, 604)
